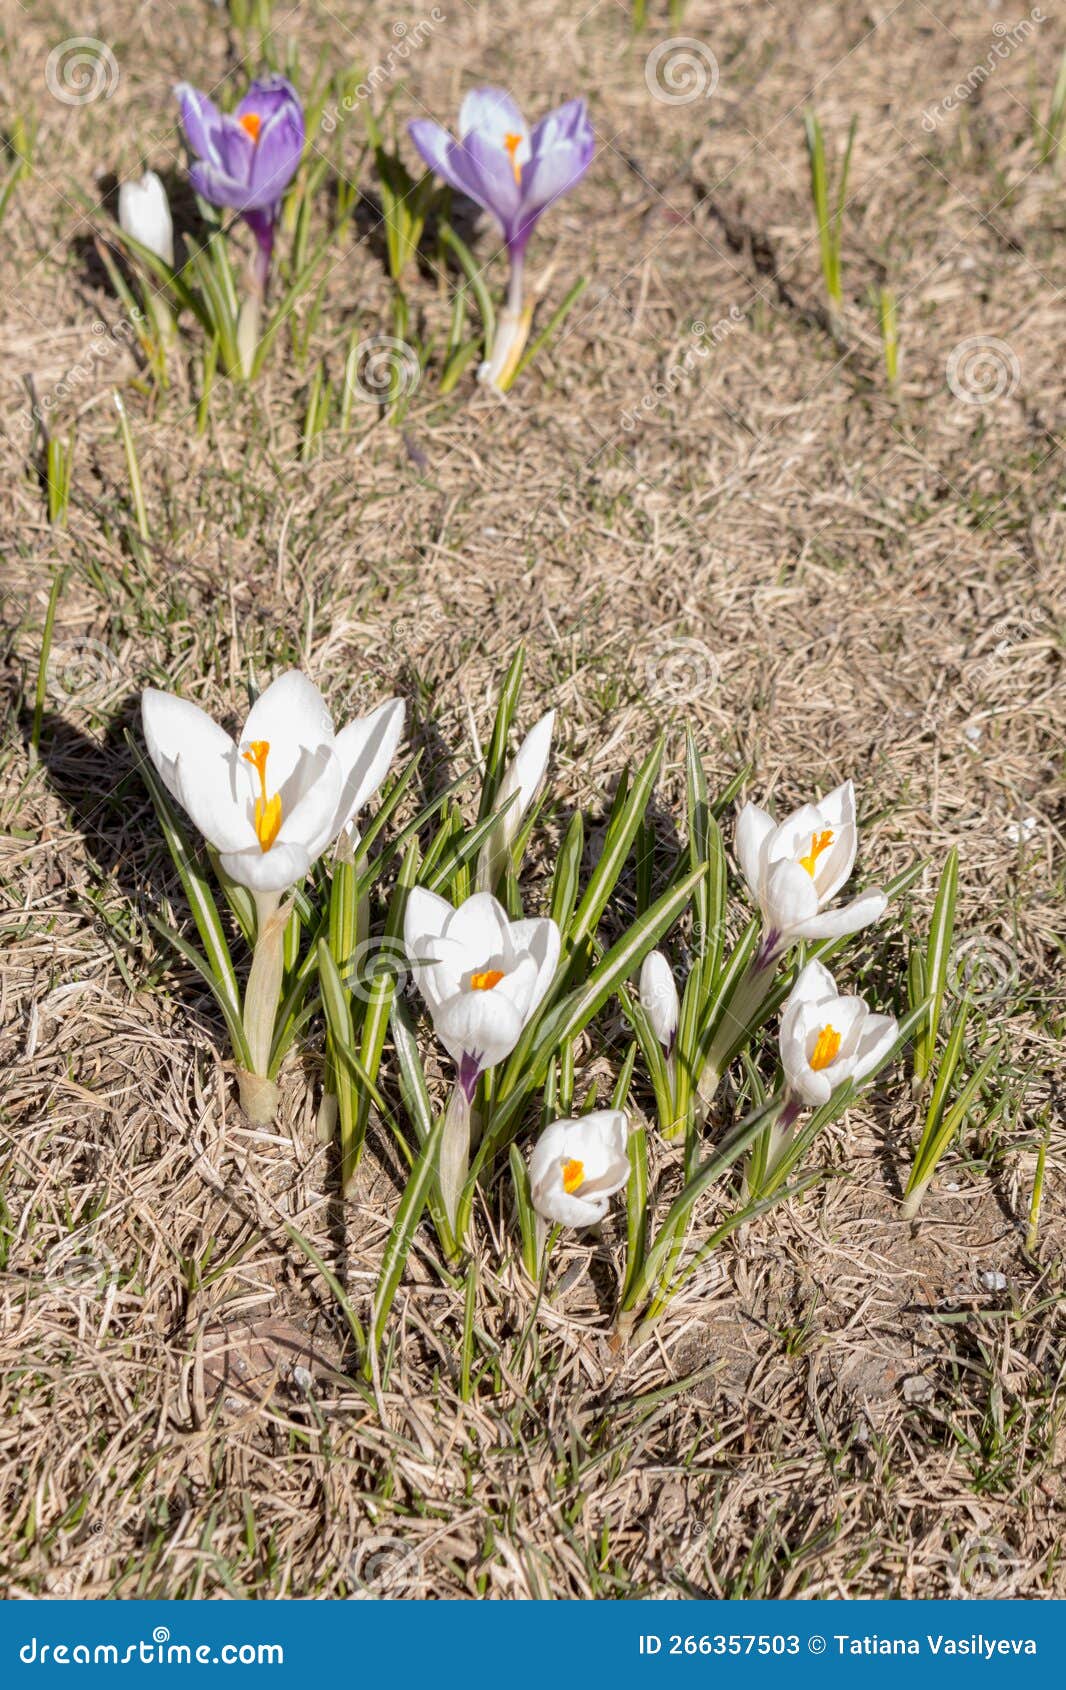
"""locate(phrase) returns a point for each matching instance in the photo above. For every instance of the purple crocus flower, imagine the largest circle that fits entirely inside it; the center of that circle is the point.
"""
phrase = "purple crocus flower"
(514, 173)
(246, 158)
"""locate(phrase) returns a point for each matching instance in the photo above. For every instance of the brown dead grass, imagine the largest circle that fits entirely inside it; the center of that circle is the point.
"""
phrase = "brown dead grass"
(825, 579)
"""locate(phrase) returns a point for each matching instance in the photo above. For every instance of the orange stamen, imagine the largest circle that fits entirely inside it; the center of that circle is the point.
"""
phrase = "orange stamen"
(826, 1048)
(267, 810)
(251, 123)
(512, 143)
(573, 1176)
(819, 842)
(485, 981)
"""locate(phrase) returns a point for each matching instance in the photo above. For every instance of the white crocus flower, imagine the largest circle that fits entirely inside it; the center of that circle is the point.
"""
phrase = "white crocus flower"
(658, 997)
(482, 976)
(269, 803)
(144, 213)
(796, 868)
(578, 1165)
(517, 791)
(272, 800)
(826, 1039)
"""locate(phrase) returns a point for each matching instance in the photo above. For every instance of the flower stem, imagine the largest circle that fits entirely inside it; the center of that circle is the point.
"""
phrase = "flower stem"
(259, 1094)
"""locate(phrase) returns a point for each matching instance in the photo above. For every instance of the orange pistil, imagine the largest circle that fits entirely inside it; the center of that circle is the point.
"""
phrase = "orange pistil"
(251, 123)
(819, 842)
(512, 143)
(267, 810)
(826, 1048)
(573, 1176)
(485, 981)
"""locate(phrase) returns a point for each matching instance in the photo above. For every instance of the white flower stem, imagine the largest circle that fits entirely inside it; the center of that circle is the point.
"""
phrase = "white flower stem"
(512, 332)
(259, 1094)
(454, 1162)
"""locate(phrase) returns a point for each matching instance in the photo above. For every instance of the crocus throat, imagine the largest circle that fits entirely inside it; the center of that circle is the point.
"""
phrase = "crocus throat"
(573, 1176)
(267, 810)
(512, 144)
(819, 842)
(486, 979)
(826, 1048)
(251, 123)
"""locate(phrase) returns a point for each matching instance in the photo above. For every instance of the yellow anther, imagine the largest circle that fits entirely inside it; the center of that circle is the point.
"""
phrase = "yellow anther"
(267, 810)
(826, 1048)
(573, 1176)
(251, 123)
(819, 842)
(512, 143)
(487, 978)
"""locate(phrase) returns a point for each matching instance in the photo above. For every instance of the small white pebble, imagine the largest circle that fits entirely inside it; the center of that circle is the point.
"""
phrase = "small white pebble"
(993, 1281)
(1019, 832)
(973, 732)
(302, 1379)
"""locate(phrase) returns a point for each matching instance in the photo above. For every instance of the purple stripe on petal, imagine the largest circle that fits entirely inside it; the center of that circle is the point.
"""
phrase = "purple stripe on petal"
(216, 187)
(268, 95)
(435, 146)
(469, 1074)
(277, 156)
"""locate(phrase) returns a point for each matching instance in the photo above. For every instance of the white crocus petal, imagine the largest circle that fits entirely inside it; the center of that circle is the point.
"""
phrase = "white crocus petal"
(198, 764)
(291, 717)
(517, 792)
(755, 829)
(658, 996)
(879, 1034)
(588, 1155)
(539, 936)
(789, 897)
(144, 213)
(365, 749)
(483, 1026)
(867, 908)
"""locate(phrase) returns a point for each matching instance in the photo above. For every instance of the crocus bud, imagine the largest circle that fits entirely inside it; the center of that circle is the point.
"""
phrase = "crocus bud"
(658, 997)
(143, 212)
(578, 1165)
(517, 792)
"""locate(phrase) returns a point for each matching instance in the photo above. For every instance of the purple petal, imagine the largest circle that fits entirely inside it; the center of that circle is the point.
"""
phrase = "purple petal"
(435, 147)
(276, 157)
(199, 119)
(234, 150)
(268, 95)
(490, 112)
(215, 186)
(566, 122)
(488, 169)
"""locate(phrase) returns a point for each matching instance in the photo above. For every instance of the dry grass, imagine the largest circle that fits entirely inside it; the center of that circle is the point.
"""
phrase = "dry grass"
(824, 578)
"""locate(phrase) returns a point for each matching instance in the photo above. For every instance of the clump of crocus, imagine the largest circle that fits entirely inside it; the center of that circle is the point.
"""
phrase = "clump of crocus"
(515, 173)
(245, 159)
(269, 803)
(144, 214)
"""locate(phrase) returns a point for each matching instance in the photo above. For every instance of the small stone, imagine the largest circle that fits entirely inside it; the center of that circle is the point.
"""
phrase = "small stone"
(992, 1281)
(917, 1387)
(1019, 832)
(302, 1379)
